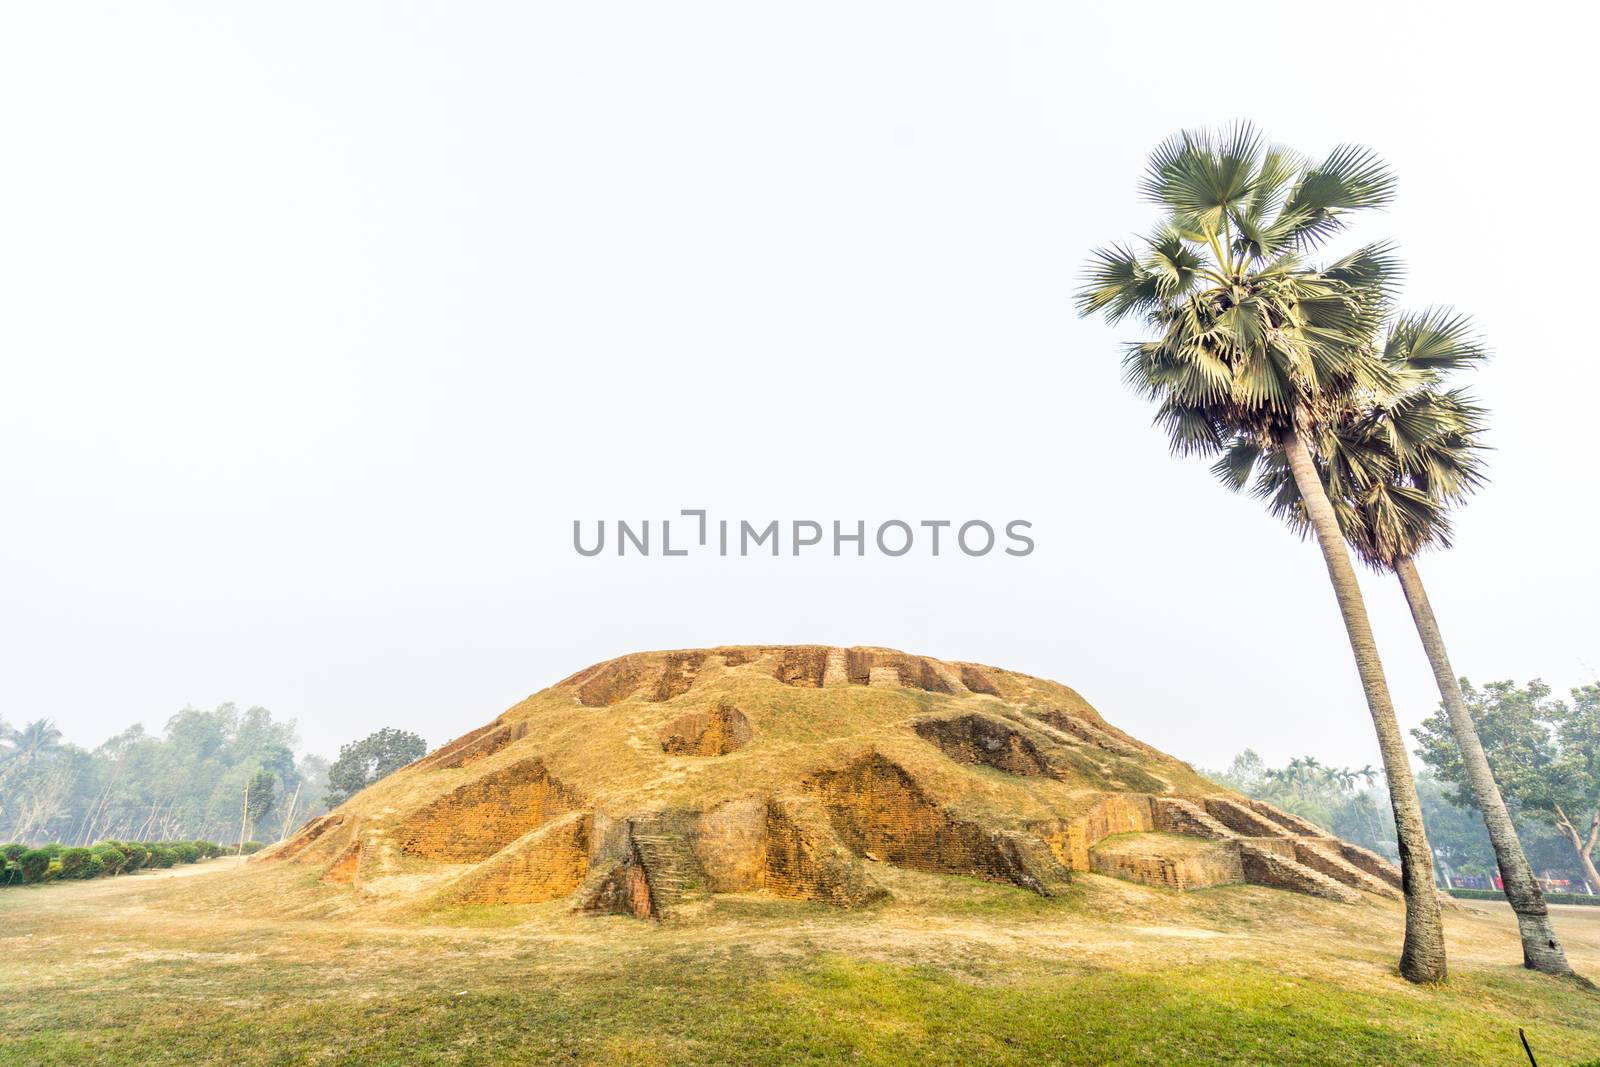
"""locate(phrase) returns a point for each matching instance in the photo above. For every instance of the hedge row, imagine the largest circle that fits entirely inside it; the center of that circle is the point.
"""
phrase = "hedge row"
(1549, 898)
(21, 865)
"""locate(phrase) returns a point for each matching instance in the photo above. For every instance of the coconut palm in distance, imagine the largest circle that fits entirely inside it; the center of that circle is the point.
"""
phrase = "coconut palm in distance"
(1255, 340)
(1394, 465)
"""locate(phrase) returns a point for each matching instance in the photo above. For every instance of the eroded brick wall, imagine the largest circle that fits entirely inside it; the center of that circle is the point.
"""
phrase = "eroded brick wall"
(1189, 869)
(1084, 731)
(678, 674)
(716, 731)
(730, 842)
(978, 739)
(611, 682)
(879, 811)
(1114, 813)
(472, 747)
(802, 666)
(343, 871)
(478, 819)
(914, 672)
(308, 837)
(977, 681)
(550, 864)
(803, 856)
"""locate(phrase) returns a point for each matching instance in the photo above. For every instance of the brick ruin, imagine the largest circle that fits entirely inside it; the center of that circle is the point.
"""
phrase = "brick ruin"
(477, 820)
(714, 732)
(646, 784)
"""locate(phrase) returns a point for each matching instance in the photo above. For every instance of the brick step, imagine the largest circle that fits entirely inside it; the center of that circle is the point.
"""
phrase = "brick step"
(1293, 823)
(1324, 856)
(669, 865)
(1370, 862)
(1243, 820)
(1267, 866)
(1175, 816)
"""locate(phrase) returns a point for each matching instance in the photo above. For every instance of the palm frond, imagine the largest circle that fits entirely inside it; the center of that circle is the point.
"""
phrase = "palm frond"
(1351, 179)
(1237, 462)
(1436, 340)
(1117, 284)
(1190, 431)
(1202, 176)
(1172, 263)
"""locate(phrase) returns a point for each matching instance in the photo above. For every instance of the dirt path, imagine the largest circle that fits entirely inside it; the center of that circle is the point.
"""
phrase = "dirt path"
(192, 870)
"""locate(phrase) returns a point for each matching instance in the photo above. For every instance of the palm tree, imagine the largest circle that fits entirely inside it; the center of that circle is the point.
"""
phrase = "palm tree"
(40, 737)
(1395, 464)
(8, 763)
(46, 788)
(1254, 340)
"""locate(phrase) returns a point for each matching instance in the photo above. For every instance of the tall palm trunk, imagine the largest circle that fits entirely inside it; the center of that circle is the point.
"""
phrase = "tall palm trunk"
(1540, 949)
(1422, 959)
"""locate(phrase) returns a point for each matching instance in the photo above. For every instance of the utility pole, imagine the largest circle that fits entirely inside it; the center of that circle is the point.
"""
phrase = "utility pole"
(244, 818)
(288, 818)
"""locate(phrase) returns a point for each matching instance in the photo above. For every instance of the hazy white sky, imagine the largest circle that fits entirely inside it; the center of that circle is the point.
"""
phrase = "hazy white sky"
(322, 322)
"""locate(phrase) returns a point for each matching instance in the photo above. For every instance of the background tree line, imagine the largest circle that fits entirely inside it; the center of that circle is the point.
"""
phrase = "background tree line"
(221, 775)
(1545, 753)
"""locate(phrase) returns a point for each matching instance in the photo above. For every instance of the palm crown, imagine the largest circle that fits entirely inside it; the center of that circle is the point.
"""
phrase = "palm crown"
(1252, 337)
(1396, 460)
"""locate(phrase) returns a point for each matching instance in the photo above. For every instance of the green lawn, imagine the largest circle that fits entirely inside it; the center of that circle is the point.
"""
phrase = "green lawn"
(188, 971)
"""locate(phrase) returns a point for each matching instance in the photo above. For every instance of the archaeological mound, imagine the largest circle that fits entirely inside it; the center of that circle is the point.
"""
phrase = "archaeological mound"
(647, 783)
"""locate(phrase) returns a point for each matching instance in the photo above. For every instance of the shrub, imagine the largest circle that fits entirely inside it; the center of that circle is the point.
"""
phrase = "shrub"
(34, 864)
(111, 858)
(1550, 898)
(210, 849)
(95, 868)
(54, 848)
(9, 873)
(73, 862)
(162, 857)
(138, 855)
(186, 852)
(252, 847)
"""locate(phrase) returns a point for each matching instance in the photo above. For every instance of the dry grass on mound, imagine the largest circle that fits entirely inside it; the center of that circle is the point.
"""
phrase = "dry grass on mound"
(601, 731)
(266, 965)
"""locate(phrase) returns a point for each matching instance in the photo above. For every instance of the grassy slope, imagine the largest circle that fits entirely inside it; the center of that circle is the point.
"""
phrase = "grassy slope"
(265, 966)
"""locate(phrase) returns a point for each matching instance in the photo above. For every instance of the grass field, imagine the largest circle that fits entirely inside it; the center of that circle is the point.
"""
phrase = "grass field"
(263, 965)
